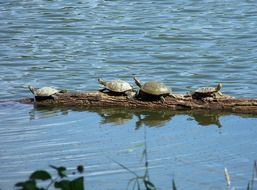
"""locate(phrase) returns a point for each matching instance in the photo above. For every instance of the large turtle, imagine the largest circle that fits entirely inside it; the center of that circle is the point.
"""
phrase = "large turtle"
(207, 92)
(117, 87)
(152, 90)
(45, 92)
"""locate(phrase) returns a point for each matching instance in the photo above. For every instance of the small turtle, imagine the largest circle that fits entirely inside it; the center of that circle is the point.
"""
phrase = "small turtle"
(153, 90)
(117, 87)
(45, 92)
(207, 92)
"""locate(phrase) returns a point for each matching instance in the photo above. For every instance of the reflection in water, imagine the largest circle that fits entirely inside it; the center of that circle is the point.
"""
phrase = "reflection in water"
(46, 112)
(158, 118)
(206, 118)
(149, 118)
(56, 139)
(114, 116)
(153, 118)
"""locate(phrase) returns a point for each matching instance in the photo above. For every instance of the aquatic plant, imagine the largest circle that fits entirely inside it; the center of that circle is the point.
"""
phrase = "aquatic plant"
(62, 181)
(250, 185)
(227, 177)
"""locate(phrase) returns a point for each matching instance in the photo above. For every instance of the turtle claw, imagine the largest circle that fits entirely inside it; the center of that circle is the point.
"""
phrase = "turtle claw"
(162, 99)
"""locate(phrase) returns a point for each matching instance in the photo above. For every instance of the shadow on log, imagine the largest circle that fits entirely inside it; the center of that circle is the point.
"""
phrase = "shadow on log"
(99, 99)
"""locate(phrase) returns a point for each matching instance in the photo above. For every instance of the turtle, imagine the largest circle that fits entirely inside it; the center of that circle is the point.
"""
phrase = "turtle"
(207, 92)
(45, 92)
(117, 87)
(152, 90)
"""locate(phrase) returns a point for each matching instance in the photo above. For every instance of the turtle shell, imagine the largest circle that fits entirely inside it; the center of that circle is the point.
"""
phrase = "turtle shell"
(155, 88)
(118, 86)
(206, 90)
(45, 91)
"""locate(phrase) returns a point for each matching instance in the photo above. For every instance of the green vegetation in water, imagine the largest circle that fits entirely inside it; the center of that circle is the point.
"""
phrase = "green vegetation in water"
(251, 185)
(62, 181)
(138, 182)
(144, 181)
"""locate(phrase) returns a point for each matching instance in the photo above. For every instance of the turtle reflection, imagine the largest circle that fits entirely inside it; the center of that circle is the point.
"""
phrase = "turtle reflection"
(114, 116)
(46, 112)
(121, 116)
(149, 118)
(206, 118)
(153, 118)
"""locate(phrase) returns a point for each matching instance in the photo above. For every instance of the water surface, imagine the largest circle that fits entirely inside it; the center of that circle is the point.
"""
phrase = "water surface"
(185, 44)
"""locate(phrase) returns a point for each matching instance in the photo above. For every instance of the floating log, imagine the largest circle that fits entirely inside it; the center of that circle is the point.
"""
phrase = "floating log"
(180, 102)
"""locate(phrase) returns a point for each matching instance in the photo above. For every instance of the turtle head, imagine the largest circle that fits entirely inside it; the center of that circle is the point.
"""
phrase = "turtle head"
(137, 82)
(101, 81)
(218, 88)
(32, 89)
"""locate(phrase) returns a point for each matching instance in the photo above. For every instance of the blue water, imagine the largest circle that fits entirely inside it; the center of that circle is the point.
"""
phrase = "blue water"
(185, 44)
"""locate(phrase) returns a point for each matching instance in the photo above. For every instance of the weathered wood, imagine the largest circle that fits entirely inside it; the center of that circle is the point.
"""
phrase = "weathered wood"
(98, 99)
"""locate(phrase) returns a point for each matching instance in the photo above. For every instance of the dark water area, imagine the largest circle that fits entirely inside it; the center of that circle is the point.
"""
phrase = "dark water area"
(184, 44)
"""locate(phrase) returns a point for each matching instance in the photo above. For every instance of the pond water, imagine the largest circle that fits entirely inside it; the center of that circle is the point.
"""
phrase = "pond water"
(185, 44)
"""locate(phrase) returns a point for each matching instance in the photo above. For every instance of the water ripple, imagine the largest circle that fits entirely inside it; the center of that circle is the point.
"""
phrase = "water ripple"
(69, 44)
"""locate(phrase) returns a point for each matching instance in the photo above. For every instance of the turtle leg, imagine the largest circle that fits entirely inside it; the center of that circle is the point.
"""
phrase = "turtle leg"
(54, 96)
(102, 90)
(220, 93)
(137, 95)
(162, 99)
(130, 94)
(63, 91)
(172, 95)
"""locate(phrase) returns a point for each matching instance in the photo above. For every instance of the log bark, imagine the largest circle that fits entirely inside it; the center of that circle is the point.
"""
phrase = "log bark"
(99, 99)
